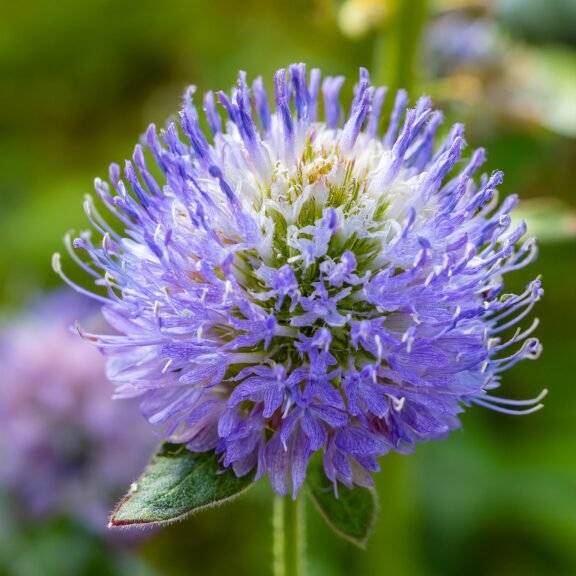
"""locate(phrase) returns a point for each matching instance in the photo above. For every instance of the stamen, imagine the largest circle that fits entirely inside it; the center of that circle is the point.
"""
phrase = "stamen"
(509, 411)
(57, 267)
(508, 402)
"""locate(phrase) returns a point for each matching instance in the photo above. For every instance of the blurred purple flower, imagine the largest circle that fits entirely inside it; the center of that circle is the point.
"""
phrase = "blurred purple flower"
(297, 285)
(66, 448)
(456, 41)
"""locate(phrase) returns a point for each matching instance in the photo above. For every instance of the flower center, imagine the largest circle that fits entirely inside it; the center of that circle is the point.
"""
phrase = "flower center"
(328, 226)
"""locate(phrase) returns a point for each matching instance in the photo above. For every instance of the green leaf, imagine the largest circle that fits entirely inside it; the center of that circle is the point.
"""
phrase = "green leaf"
(351, 515)
(176, 483)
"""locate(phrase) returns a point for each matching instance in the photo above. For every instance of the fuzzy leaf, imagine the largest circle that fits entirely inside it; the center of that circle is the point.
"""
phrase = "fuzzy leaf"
(351, 515)
(176, 483)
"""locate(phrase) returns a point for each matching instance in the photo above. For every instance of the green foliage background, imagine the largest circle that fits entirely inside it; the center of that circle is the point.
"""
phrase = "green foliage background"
(80, 80)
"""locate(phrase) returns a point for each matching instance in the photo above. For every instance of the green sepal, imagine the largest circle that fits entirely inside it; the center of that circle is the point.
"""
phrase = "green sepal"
(177, 483)
(351, 515)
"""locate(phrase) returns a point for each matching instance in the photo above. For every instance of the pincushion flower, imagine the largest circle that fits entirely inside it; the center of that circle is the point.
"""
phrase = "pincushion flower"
(300, 282)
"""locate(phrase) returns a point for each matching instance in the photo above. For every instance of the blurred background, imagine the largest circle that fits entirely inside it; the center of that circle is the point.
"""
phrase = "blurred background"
(79, 82)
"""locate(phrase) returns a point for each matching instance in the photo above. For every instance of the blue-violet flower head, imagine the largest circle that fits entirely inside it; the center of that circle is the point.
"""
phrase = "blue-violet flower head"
(293, 284)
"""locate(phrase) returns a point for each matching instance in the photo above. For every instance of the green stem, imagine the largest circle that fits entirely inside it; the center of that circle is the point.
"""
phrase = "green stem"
(289, 537)
(398, 47)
